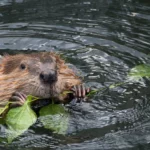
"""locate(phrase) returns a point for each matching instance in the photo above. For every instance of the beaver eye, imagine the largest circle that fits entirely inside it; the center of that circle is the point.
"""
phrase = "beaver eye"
(22, 66)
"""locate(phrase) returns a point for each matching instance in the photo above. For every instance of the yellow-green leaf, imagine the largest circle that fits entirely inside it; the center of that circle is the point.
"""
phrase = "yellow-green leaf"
(139, 71)
(2, 109)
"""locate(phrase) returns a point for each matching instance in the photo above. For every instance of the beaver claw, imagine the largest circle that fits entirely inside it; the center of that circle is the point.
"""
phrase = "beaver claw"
(17, 99)
(79, 93)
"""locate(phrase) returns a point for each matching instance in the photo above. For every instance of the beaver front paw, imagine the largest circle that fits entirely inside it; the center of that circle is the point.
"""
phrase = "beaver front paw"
(79, 93)
(17, 99)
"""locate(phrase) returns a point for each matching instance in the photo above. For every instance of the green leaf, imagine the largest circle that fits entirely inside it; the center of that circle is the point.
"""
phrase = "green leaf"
(2, 109)
(2, 121)
(64, 93)
(92, 92)
(116, 85)
(19, 120)
(55, 117)
(139, 71)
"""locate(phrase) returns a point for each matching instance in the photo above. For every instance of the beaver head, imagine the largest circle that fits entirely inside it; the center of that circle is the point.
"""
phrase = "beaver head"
(43, 75)
(33, 74)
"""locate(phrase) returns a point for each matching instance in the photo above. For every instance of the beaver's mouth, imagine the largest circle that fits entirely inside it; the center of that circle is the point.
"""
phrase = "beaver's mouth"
(51, 81)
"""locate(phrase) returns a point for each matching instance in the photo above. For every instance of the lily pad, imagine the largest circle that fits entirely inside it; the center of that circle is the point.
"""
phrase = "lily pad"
(55, 118)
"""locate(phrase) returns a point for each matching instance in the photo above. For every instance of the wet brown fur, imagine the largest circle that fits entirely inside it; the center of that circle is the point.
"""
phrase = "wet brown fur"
(12, 79)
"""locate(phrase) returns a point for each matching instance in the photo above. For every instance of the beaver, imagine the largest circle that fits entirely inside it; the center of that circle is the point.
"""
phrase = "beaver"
(43, 75)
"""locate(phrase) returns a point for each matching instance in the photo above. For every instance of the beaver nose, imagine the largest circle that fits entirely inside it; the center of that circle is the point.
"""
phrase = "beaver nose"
(48, 77)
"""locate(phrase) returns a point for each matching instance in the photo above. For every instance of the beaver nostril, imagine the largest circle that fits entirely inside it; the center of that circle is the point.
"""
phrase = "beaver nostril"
(48, 77)
(42, 76)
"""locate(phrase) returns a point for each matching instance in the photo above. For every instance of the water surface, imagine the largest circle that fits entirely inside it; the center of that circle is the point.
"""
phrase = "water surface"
(104, 39)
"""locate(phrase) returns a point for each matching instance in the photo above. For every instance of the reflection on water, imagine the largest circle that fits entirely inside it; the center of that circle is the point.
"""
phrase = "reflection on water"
(104, 39)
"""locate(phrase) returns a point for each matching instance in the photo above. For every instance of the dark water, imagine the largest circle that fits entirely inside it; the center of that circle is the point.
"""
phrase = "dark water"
(104, 39)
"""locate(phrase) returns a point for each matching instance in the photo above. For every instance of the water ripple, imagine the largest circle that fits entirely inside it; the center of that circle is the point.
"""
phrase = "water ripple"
(104, 39)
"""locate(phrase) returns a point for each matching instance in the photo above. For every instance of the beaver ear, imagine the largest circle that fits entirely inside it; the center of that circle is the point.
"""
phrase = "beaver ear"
(6, 54)
(3, 59)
